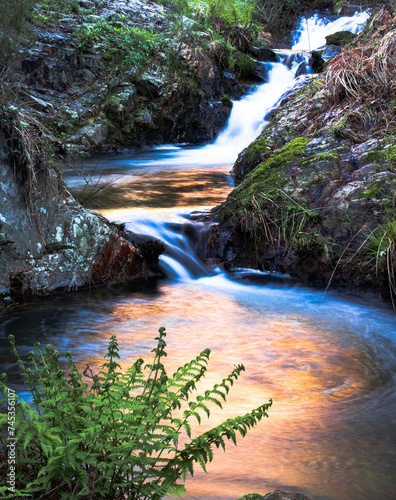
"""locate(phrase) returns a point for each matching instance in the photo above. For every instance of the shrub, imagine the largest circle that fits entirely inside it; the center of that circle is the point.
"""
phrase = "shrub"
(14, 27)
(127, 47)
(120, 438)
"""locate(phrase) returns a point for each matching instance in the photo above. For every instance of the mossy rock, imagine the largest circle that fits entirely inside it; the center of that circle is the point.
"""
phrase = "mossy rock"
(252, 496)
(255, 150)
(387, 154)
(268, 177)
(340, 38)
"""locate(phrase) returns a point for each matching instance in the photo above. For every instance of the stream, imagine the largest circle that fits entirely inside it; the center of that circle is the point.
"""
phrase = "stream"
(328, 360)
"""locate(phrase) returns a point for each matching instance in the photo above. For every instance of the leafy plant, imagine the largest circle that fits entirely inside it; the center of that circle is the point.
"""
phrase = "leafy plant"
(126, 47)
(123, 436)
(382, 245)
(14, 28)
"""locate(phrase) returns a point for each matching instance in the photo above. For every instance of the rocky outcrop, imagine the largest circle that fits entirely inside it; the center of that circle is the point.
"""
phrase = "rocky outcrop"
(90, 101)
(316, 193)
(48, 242)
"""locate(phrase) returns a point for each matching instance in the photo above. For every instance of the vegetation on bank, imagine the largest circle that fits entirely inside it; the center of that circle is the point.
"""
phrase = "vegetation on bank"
(234, 24)
(123, 435)
(326, 217)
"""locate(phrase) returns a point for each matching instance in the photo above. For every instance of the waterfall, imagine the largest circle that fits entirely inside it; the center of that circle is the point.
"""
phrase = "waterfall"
(248, 115)
(311, 32)
(246, 122)
(248, 118)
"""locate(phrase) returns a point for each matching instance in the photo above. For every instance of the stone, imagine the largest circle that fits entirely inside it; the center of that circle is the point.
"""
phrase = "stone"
(86, 4)
(56, 245)
(340, 38)
(264, 54)
(127, 96)
(275, 495)
(90, 135)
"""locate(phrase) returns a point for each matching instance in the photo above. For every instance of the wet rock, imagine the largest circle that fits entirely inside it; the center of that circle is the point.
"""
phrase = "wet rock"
(340, 38)
(347, 9)
(53, 244)
(275, 495)
(90, 135)
(264, 54)
(307, 196)
(329, 51)
(317, 62)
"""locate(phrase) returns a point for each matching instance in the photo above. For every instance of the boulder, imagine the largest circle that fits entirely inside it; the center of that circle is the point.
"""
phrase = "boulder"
(264, 54)
(302, 173)
(91, 136)
(50, 243)
(340, 38)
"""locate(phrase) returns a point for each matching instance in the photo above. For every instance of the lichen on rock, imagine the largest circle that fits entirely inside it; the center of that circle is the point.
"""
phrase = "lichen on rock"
(49, 242)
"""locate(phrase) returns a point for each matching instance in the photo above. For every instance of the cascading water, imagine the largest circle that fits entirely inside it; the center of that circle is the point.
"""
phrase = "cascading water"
(312, 31)
(329, 363)
(247, 119)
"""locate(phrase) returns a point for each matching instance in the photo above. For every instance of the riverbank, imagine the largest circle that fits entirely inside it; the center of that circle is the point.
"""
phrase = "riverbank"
(94, 76)
(316, 193)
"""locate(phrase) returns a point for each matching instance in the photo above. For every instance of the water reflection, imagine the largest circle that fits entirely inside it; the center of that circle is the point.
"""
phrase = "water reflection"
(163, 189)
(333, 385)
(328, 363)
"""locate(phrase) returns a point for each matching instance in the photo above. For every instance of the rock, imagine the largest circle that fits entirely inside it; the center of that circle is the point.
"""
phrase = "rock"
(281, 495)
(40, 104)
(329, 51)
(52, 243)
(264, 54)
(275, 495)
(317, 62)
(340, 38)
(347, 9)
(86, 4)
(149, 85)
(90, 135)
(300, 173)
(127, 96)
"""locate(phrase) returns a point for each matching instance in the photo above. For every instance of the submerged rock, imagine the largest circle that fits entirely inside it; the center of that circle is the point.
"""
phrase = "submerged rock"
(275, 495)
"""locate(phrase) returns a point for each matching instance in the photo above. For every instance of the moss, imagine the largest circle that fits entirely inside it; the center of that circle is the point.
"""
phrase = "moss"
(380, 155)
(256, 149)
(331, 156)
(268, 176)
(380, 189)
(340, 38)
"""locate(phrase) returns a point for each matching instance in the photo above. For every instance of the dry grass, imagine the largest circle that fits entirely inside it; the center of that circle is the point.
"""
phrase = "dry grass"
(368, 70)
(360, 83)
(27, 147)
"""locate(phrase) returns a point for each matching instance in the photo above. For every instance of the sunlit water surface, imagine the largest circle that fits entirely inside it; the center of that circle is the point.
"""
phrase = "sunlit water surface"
(328, 361)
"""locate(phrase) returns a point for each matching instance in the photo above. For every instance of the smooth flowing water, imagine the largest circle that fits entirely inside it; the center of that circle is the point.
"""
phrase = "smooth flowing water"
(327, 361)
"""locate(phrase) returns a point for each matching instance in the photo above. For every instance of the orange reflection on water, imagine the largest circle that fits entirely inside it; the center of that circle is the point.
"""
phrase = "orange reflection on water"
(309, 373)
(165, 189)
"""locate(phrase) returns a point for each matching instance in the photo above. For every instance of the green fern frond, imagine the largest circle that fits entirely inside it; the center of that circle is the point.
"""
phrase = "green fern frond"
(122, 434)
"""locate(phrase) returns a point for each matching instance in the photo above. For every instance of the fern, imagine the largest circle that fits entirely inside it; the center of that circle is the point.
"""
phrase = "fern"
(118, 438)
